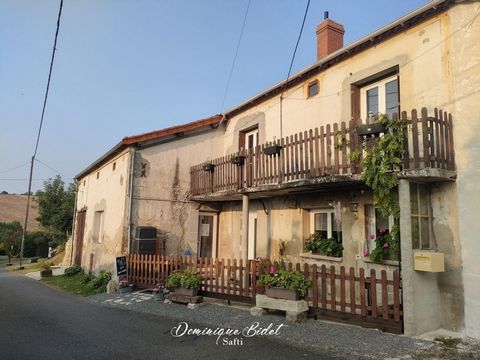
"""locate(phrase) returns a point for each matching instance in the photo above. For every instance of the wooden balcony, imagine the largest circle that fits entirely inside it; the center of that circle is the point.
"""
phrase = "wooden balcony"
(321, 157)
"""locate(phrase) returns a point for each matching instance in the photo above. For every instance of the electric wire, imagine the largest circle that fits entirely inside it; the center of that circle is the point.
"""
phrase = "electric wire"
(235, 57)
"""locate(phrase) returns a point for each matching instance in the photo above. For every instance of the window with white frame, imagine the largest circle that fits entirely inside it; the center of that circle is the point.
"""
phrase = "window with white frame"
(324, 221)
(376, 225)
(97, 232)
(379, 97)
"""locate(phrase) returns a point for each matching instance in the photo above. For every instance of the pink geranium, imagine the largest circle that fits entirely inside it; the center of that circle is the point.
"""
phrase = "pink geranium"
(365, 253)
(272, 269)
(386, 245)
(382, 230)
(372, 237)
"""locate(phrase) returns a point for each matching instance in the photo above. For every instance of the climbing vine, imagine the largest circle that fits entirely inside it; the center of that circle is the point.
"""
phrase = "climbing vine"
(379, 165)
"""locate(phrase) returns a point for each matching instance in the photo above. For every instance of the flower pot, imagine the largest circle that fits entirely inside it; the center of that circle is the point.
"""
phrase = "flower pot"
(208, 167)
(160, 295)
(272, 150)
(371, 129)
(238, 160)
(281, 293)
(186, 292)
(46, 273)
(126, 289)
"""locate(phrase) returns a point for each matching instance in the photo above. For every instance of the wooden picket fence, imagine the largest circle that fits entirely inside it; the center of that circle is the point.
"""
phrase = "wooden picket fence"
(331, 150)
(336, 294)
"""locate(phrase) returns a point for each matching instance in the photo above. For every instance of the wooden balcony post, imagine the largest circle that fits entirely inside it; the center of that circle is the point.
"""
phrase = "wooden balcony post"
(244, 237)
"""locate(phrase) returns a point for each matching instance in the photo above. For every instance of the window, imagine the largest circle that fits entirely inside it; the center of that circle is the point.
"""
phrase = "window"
(248, 139)
(98, 174)
(421, 216)
(379, 97)
(114, 166)
(312, 88)
(324, 222)
(97, 227)
(375, 225)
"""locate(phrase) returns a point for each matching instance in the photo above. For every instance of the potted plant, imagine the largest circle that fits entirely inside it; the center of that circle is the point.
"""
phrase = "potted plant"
(329, 247)
(124, 286)
(238, 159)
(184, 282)
(272, 148)
(208, 166)
(375, 129)
(386, 247)
(46, 269)
(285, 284)
(159, 292)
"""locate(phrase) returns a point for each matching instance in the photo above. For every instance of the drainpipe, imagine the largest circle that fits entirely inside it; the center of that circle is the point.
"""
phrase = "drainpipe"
(244, 238)
(130, 195)
(74, 221)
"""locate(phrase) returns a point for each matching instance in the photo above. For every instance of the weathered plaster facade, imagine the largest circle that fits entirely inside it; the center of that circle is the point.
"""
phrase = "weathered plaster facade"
(437, 64)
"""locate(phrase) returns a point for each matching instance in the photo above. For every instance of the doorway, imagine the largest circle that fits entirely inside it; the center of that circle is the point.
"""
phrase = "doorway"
(80, 225)
(207, 235)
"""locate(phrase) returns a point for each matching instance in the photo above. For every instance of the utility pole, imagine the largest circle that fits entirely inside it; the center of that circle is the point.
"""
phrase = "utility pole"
(24, 233)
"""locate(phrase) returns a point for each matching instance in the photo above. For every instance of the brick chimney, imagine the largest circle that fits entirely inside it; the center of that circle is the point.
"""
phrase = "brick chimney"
(329, 37)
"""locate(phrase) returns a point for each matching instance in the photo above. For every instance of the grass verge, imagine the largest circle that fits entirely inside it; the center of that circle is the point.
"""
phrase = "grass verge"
(77, 284)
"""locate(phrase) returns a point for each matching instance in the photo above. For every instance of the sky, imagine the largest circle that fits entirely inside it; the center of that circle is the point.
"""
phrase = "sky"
(124, 67)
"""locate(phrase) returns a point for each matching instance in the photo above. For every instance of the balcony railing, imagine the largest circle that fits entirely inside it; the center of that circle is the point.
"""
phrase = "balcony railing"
(326, 151)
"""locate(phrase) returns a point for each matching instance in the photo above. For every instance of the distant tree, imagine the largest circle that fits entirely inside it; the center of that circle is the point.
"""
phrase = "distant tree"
(4, 193)
(10, 238)
(55, 207)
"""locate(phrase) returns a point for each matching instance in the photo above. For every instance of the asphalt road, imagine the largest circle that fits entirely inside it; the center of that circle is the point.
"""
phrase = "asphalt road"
(40, 322)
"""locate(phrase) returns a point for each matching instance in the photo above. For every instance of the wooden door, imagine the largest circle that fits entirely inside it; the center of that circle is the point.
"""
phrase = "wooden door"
(80, 227)
(206, 235)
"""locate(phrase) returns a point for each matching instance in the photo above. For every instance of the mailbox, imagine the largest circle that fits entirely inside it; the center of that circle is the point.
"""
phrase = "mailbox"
(429, 261)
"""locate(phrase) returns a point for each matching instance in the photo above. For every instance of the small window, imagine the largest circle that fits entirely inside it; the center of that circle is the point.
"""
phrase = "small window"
(421, 216)
(83, 182)
(98, 174)
(97, 227)
(114, 166)
(313, 88)
(324, 221)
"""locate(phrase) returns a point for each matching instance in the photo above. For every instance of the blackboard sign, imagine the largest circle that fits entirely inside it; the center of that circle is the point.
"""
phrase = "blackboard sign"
(121, 265)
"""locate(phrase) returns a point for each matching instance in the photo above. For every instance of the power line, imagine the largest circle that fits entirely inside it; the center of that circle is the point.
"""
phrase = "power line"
(14, 168)
(51, 168)
(235, 56)
(49, 78)
(40, 131)
(291, 64)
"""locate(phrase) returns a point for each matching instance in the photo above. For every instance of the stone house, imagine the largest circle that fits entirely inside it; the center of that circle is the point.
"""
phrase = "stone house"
(152, 193)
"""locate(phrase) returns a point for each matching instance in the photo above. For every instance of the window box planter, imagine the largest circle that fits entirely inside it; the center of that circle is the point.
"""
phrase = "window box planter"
(238, 160)
(186, 292)
(46, 273)
(160, 295)
(272, 150)
(209, 167)
(371, 129)
(281, 293)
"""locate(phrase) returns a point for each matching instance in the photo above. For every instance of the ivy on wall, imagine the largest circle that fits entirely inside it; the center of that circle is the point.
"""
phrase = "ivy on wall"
(380, 163)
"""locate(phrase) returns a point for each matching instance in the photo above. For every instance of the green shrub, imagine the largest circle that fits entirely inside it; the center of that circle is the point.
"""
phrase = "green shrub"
(184, 279)
(87, 278)
(101, 280)
(73, 270)
(328, 247)
(292, 280)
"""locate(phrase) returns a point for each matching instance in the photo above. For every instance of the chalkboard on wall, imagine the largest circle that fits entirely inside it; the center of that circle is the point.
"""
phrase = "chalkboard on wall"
(121, 265)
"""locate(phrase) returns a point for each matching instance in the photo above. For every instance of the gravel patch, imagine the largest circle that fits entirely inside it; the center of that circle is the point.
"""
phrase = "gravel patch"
(350, 342)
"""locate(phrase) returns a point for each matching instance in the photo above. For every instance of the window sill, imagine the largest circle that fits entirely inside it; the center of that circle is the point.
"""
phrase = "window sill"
(385, 262)
(321, 257)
